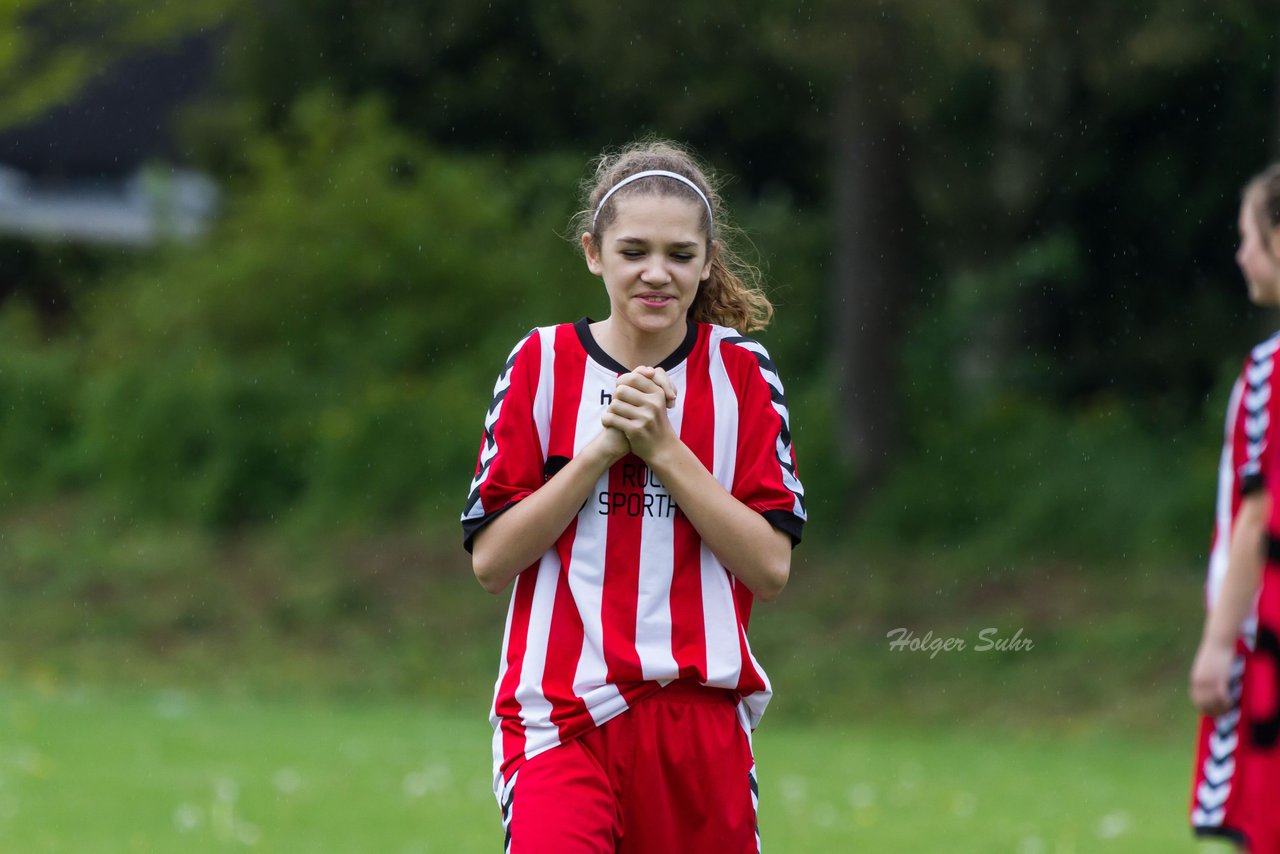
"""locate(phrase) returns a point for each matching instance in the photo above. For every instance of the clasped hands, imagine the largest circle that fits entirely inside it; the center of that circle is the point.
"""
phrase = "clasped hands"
(636, 419)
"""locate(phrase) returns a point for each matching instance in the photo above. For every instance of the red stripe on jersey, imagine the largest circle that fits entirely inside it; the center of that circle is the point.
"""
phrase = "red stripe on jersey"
(1239, 450)
(621, 595)
(519, 452)
(564, 643)
(505, 704)
(564, 647)
(570, 363)
(697, 431)
(743, 600)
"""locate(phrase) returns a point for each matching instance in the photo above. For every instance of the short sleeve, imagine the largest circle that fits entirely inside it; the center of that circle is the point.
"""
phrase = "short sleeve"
(765, 477)
(510, 465)
(1254, 417)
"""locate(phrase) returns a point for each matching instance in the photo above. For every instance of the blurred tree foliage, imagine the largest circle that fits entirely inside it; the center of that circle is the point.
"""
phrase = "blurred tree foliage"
(1112, 137)
(324, 348)
(980, 218)
(51, 50)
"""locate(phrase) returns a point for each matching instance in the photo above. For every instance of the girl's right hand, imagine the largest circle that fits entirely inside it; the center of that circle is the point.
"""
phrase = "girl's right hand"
(1210, 677)
(613, 444)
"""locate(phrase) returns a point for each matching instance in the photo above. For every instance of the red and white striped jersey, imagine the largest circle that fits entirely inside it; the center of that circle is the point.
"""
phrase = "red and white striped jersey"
(1245, 455)
(628, 598)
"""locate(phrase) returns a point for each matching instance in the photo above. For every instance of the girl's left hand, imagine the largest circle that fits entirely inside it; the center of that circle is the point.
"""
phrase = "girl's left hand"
(639, 409)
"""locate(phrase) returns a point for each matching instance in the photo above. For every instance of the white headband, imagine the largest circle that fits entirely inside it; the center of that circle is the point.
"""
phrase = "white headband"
(648, 174)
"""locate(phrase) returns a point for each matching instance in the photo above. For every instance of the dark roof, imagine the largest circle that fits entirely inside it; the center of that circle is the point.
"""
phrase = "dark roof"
(122, 119)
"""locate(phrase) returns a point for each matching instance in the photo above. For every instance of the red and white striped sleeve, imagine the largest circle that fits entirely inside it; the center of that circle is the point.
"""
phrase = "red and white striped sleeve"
(765, 477)
(510, 464)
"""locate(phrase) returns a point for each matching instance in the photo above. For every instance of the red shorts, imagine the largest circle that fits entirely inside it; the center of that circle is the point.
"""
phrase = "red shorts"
(673, 773)
(1219, 801)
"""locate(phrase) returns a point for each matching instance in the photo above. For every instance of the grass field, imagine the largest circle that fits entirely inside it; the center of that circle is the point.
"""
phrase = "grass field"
(99, 771)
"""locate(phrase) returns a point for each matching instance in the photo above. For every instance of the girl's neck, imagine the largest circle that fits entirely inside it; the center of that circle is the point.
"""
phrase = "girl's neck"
(633, 348)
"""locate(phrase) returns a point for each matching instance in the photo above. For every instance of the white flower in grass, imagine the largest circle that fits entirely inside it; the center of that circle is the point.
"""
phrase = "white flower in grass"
(1113, 824)
(824, 815)
(186, 817)
(862, 796)
(433, 778)
(794, 789)
(226, 789)
(1031, 845)
(286, 781)
(964, 804)
(172, 705)
(222, 809)
(31, 762)
(247, 834)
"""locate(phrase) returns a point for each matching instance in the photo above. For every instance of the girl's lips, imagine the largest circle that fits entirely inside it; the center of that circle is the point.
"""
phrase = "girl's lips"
(654, 299)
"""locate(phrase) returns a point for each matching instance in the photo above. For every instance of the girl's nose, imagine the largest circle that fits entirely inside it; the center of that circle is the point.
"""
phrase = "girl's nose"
(655, 272)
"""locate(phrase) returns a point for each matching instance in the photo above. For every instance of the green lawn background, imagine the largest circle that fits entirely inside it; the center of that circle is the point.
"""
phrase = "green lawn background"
(106, 771)
(163, 691)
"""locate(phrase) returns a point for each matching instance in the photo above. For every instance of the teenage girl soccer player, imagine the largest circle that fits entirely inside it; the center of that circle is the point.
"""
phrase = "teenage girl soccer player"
(636, 480)
(1228, 795)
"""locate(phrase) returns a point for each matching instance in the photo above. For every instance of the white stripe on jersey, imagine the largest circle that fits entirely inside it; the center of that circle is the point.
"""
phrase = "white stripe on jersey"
(586, 577)
(657, 556)
(724, 659)
(546, 388)
(725, 413)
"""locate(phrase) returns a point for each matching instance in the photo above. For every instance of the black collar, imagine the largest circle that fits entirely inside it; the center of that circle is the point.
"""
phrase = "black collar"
(593, 348)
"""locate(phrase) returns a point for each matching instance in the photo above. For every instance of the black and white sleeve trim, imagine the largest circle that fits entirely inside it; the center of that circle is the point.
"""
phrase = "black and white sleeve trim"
(474, 514)
(770, 374)
(1257, 412)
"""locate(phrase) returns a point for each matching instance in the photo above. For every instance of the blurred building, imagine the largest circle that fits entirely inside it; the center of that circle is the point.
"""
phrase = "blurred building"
(106, 167)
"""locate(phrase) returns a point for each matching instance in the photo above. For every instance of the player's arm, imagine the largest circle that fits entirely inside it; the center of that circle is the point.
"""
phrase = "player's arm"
(520, 535)
(744, 541)
(1211, 670)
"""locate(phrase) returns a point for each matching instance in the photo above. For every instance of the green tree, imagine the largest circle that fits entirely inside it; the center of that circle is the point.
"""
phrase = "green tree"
(51, 50)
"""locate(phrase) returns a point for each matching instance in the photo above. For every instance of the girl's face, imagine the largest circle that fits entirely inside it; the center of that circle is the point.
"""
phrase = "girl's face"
(652, 258)
(1258, 258)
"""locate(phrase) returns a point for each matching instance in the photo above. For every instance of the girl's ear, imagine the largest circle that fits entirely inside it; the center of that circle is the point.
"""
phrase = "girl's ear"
(1273, 242)
(592, 256)
(711, 256)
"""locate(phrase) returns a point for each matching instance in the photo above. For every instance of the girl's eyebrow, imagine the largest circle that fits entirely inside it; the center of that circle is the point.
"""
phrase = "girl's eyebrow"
(680, 244)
